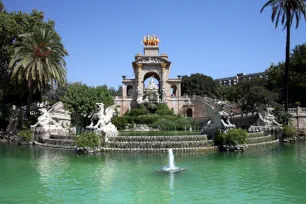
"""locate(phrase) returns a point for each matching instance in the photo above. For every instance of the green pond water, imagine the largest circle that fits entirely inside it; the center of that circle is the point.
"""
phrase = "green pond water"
(275, 174)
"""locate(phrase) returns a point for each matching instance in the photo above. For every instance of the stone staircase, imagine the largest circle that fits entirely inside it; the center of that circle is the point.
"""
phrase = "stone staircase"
(159, 143)
(260, 138)
(66, 141)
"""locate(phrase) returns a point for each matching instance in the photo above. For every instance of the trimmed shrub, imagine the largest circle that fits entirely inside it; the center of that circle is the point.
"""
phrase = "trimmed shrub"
(163, 109)
(87, 139)
(25, 135)
(120, 122)
(141, 110)
(288, 131)
(164, 124)
(182, 123)
(231, 137)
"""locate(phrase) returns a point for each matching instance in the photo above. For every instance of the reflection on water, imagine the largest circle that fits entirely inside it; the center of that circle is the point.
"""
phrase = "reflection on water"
(275, 174)
(171, 182)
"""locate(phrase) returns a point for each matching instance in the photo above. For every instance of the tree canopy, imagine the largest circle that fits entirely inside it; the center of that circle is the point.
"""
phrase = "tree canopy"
(199, 84)
(38, 60)
(13, 24)
(297, 82)
(81, 100)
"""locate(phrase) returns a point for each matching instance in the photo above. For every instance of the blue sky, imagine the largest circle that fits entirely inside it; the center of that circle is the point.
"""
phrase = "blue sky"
(216, 38)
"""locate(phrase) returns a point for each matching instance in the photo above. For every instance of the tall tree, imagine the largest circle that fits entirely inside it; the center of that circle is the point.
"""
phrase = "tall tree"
(297, 82)
(248, 93)
(199, 84)
(81, 100)
(12, 24)
(39, 60)
(286, 11)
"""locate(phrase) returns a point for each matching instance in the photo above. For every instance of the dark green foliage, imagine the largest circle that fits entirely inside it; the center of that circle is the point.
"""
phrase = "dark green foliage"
(25, 135)
(164, 124)
(297, 82)
(288, 131)
(163, 109)
(141, 110)
(120, 122)
(285, 11)
(248, 93)
(115, 92)
(81, 100)
(12, 24)
(87, 139)
(200, 85)
(53, 95)
(280, 9)
(231, 137)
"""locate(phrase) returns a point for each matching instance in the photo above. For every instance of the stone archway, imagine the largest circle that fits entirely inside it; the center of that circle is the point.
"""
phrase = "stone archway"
(189, 113)
(148, 75)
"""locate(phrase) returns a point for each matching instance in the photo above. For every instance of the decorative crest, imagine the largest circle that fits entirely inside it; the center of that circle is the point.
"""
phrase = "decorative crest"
(150, 40)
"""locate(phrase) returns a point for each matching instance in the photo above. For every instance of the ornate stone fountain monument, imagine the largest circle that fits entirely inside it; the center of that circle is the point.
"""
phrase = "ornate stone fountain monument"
(152, 65)
(101, 121)
(219, 119)
(54, 121)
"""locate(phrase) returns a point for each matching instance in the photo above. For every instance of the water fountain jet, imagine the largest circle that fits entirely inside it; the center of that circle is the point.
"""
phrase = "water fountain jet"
(171, 168)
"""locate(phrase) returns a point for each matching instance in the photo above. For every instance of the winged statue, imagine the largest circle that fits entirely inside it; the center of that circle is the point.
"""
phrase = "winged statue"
(266, 120)
(219, 119)
(45, 120)
(104, 117)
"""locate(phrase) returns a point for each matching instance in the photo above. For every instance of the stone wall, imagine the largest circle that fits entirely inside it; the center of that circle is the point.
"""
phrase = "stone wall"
(298, 119)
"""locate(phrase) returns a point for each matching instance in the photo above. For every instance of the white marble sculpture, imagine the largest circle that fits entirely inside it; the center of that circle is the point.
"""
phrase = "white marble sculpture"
(139, 96)
(219, 119)
(150, 60)
(46, 122)
(104, 118)
(266, 121)
(152, 84)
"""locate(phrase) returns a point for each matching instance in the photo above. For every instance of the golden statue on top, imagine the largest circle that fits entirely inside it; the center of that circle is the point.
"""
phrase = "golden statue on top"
(150, 40)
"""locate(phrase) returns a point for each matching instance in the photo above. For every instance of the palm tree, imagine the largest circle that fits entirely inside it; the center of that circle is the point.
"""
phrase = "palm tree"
(286, 11)
(38, 60)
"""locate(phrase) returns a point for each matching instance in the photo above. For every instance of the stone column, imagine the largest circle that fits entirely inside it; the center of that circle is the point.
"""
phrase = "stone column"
(123, 91)
(139, 81)
(162, 80)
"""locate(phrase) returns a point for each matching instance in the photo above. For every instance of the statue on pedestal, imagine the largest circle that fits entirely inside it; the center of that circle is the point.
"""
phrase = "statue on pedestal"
(219, 119)
(104, 121)
(45, 121)
(266, 121)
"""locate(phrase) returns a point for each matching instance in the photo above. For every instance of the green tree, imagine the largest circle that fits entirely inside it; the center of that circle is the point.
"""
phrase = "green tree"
(116, 92)
(248, 93)
(297, 82)
(200, 85)
(286, 11)
(39, 60)
(12, 24)
(81, 100)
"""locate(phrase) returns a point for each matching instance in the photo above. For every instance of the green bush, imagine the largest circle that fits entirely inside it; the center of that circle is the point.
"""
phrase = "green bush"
(25, 135)
(288, 131)
(181, 123)
(231, 137)
(120, 122)
(219, 138)
(163, 109)
(87, 139)
(141, 110)
(164, 124)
